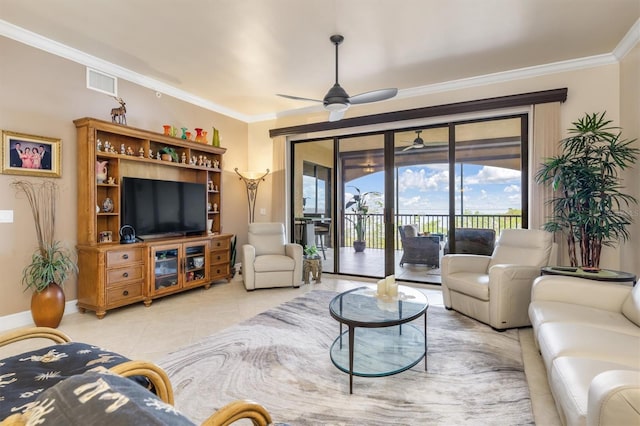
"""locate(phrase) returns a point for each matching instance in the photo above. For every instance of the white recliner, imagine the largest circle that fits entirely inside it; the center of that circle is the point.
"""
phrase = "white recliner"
(268, 260)
(496, 289)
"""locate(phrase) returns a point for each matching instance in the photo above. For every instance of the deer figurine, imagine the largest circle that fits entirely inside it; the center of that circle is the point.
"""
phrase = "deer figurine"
(118, 114)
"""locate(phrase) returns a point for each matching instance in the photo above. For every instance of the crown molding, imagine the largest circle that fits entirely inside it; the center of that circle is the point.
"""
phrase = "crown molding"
(628, 42)
(51, 46)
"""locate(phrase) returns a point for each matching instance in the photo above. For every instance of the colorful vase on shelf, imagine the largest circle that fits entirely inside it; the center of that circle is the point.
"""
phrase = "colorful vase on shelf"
(167, 129)
(188, 136)
(184, 133)
(204, 137)
(215, 140)
(198, 134)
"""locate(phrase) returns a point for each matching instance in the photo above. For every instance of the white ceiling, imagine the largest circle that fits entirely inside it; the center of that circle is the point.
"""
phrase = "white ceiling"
(235, 55)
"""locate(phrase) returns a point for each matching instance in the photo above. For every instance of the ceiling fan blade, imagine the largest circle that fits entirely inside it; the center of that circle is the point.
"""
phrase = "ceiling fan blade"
(336, 115)
(298, 98)
(373, 96)
(412, 147)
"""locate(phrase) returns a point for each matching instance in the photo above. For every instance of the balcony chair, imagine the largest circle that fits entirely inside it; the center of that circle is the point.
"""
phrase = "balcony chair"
(474, 241)
(322, 231)
(417, 249)
(496, 289)
(268, 260)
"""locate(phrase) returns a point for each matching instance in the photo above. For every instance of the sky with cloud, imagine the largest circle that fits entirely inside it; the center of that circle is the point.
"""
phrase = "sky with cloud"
(425, 189)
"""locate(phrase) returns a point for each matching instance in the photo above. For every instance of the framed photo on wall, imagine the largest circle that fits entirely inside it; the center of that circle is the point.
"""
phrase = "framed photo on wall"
(30, 155)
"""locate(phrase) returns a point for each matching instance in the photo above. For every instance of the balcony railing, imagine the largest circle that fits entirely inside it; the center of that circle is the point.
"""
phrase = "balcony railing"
(434, 224)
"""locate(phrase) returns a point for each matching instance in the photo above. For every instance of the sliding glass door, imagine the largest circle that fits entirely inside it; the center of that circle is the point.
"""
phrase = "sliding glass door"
(396, 201)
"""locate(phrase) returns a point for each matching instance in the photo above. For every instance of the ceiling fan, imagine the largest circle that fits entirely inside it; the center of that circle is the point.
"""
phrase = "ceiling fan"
(337, 101)
(418, 142)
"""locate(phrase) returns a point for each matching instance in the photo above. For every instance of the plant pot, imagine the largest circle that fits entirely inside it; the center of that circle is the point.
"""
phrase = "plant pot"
(165, 157)
(359, 246)
(47, 307)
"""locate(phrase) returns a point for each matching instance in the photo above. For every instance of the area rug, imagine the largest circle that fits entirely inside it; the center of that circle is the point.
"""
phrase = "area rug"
(280, 358)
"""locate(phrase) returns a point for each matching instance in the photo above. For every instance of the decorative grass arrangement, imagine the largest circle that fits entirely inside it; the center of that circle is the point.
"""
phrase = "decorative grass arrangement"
(51, 262)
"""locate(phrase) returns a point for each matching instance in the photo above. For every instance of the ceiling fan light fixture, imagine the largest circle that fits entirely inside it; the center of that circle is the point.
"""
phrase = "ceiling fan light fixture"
(337, 107)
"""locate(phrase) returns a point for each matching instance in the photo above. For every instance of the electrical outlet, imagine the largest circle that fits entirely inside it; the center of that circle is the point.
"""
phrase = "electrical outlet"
(6, 216)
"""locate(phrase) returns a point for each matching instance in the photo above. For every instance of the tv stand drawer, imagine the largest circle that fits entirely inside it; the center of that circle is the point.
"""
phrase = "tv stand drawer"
(128, 293)
(121, 257)
(130, 273)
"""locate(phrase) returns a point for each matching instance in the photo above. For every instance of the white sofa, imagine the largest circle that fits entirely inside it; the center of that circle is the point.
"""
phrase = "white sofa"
(588, 333)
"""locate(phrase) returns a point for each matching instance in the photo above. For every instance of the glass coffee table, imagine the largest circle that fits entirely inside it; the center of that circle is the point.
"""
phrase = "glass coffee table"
(384, 344)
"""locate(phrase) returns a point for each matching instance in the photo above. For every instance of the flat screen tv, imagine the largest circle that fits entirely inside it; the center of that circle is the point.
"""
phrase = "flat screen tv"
(156, 208)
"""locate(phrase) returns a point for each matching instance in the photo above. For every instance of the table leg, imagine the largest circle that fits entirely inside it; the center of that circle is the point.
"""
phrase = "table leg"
(351, 348)
(425, 341)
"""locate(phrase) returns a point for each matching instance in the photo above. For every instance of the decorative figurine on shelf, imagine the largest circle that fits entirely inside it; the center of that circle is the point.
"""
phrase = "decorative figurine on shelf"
(111, 180)
(118, 114)
(210, 185)
(107, 205)
(141, 152)
(184, 133)
(184, 158)
(150, 154)
(200, 160)
(215, 207)
(122, 149)
(129, 150)
(216, 164)
(158, 156)
(99, 146)
(215, 188)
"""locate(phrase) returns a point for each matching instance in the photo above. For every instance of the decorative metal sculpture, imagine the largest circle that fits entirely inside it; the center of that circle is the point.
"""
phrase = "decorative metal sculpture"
(118, 114)
(251, 180)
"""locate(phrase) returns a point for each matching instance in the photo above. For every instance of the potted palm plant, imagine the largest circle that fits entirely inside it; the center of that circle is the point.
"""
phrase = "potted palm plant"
(51, 264)
(358, 205)
(588, 202)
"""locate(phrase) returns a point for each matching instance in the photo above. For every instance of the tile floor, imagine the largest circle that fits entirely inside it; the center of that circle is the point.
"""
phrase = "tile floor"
(178, 320)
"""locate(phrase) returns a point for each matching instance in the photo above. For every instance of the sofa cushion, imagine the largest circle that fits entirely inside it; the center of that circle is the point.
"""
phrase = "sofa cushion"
(101, 398)
(587, 341)
(272, 263)
(470, 283)
(541, 312)
(631, 306)
(410, 231)
(570, 379)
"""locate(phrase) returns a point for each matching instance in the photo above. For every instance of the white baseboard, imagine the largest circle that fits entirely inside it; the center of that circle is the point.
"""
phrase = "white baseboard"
(23, 319)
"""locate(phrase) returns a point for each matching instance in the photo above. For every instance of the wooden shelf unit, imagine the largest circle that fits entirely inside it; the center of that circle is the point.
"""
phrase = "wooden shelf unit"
(112, 274)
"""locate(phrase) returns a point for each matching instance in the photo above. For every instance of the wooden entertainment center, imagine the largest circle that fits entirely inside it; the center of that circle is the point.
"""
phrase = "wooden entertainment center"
(112, 274)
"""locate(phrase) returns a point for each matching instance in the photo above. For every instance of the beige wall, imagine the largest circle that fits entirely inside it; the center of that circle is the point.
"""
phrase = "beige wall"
(589, 90)
(42, 94)
(630, 123)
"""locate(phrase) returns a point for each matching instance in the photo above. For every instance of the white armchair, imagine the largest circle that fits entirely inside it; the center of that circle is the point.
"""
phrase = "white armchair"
(496, 289)
(268, 260)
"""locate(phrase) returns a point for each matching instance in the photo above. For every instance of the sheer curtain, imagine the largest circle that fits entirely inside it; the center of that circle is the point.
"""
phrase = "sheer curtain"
(546, 137)
(279, 182)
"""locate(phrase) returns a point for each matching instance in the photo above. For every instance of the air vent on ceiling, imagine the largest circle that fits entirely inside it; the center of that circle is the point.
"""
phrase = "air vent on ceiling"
(101, 82)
